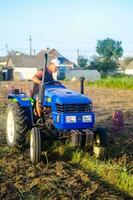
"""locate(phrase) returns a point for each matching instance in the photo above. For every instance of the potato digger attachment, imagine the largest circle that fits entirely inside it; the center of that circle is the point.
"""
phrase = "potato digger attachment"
(56, 111)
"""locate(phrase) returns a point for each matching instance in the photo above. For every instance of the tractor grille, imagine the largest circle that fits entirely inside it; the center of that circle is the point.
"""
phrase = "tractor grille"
(70, 108)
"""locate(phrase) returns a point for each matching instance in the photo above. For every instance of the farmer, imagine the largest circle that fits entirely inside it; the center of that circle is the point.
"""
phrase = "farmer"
(37, 78)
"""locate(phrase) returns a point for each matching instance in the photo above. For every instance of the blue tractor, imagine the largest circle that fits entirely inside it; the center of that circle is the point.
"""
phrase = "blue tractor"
(58, 111)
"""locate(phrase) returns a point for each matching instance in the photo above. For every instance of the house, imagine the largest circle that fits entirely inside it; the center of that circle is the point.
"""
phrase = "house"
(129, 69)
(125, 68)
(3, 62)
(22, 67)
(17, 66)
(52, 54)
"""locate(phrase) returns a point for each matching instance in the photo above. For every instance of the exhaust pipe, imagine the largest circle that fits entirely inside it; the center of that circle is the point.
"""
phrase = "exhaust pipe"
(82, 85)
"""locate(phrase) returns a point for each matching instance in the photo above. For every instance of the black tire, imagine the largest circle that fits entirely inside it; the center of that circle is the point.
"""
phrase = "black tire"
(35, 145)
(17, 125)
(100, 143)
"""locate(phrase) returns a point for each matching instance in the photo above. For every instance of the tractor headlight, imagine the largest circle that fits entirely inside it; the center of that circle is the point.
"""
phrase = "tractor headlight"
(86, 118)
(70, 119)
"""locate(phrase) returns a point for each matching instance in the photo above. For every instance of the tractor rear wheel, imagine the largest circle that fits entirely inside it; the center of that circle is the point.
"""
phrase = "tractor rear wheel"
(17, 125)
(100, 143)
(35, 145)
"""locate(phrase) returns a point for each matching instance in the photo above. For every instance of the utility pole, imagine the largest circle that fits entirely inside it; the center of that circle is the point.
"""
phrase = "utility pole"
(30, 40)
(78, 57)
(6, 48)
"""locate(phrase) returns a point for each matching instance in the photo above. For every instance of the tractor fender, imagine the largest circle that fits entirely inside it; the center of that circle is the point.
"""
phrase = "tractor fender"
(24, 101)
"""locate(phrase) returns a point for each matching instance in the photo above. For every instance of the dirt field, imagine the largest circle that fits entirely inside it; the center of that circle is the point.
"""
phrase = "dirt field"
(59, 179)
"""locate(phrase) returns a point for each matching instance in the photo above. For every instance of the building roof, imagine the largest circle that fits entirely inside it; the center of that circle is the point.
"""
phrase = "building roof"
(23, 60)
(52, 54)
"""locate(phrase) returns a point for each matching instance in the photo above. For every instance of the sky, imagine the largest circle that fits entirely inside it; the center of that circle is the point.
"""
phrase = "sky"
(67, 25)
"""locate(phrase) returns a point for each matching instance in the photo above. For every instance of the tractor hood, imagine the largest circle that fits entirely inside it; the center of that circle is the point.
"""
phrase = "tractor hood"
(61, 95)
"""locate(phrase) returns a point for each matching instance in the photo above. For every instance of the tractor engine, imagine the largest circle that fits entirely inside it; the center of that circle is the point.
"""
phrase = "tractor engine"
(70, 110)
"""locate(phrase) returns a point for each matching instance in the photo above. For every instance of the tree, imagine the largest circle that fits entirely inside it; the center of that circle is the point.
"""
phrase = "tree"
(103, 65)
(109, 49)
(82, 62)
(109, 52)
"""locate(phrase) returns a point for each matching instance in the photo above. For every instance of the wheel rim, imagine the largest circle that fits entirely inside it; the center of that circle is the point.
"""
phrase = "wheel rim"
(96, 147)
(96, 151)
(31, 146)
(10, 127)
(97, 140)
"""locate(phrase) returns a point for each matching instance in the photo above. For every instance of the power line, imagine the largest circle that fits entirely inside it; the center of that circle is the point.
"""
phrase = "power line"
(56, 39)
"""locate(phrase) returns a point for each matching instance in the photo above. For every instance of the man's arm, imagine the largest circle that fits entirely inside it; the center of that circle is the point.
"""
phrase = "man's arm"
(36, 78)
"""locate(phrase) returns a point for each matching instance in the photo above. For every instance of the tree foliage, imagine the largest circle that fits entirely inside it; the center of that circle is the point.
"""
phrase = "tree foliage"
(103, 65)
(82, 62)
(108, 51)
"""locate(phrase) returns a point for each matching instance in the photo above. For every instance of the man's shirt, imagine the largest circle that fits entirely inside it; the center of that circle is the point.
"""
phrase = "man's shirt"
(39, 74)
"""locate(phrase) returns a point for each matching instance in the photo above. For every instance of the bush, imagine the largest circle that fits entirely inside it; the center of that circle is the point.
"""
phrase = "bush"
(121, 82)
(0, 76)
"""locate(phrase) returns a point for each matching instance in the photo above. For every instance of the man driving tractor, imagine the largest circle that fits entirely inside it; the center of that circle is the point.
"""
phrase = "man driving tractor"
(37, 78)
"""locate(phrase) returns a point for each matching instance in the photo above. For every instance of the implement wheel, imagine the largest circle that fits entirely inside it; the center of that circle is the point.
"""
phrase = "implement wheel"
(100, 143)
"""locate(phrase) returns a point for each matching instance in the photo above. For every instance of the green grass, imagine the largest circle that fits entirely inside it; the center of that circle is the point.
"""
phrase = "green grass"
(122, 82)
(116, 175)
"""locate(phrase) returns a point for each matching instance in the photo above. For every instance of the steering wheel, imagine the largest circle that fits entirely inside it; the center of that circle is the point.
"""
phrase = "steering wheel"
(52, 83)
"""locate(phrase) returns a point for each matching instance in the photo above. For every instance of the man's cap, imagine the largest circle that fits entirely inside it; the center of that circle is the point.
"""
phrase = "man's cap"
(55, 61)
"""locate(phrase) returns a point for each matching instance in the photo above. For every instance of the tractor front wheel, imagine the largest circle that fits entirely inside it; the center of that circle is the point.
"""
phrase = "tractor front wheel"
(35, 145)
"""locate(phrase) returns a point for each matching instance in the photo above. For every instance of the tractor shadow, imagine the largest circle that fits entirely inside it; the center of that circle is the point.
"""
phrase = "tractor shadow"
(102, 185)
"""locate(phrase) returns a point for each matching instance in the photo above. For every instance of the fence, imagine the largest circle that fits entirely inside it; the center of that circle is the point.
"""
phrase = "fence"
(91, 75)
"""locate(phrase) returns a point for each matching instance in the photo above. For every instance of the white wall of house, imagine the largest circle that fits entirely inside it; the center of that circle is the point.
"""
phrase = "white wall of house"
(24, 73)
(129, 71)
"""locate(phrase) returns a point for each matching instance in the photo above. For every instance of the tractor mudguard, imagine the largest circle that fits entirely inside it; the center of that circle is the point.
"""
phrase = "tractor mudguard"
(23, 100)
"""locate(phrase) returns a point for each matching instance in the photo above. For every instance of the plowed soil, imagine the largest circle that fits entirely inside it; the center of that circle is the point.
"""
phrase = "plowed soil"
(58, 178)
